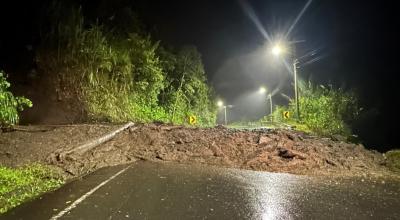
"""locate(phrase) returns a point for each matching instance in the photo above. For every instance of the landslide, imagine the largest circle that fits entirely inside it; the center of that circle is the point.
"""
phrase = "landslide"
(261, 150)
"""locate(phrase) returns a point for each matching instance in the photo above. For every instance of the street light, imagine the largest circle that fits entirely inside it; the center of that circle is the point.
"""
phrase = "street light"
(278, 50)
(264, 90)
(221, 104)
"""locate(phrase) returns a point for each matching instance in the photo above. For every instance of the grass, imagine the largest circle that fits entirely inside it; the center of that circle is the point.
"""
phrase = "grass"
(18, 185)
(393, 160)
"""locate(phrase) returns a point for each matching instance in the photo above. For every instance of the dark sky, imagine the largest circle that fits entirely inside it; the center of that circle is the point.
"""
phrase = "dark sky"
(356, 40)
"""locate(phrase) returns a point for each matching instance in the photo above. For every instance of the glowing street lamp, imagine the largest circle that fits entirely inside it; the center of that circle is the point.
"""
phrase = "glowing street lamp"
(277, 49)
(221, 104)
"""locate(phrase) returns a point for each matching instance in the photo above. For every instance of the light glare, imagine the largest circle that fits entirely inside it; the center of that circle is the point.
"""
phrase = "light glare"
(277, 50)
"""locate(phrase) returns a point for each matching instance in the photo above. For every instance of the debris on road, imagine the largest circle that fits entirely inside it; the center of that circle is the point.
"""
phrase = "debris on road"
(261, 149)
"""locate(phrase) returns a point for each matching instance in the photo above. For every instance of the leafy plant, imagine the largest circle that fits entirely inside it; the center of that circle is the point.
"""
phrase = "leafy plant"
(21, 184)
(323, 110)
(9, 104)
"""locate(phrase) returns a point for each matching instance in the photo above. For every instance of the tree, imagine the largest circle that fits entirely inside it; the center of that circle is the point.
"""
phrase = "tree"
(187, 91)
(9, 104)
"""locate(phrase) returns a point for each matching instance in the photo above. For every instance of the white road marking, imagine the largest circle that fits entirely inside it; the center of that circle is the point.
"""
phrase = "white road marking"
(74, 204)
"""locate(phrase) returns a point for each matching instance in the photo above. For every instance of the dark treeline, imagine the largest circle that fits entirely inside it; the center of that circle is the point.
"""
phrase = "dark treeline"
(105, 62)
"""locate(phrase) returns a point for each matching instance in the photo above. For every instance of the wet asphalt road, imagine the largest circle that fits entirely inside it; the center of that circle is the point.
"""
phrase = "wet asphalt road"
(170, 191)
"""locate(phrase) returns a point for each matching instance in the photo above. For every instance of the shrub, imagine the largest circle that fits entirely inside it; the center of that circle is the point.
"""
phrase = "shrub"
(326, 110)
(323, 110)
(9, 104)
(393, 160)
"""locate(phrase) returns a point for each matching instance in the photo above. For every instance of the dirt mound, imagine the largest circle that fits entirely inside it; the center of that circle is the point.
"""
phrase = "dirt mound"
(263, 150)
(30, 144)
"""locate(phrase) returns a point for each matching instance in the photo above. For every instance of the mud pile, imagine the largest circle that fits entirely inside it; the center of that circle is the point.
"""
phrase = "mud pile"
(262, 150)
(29, 144)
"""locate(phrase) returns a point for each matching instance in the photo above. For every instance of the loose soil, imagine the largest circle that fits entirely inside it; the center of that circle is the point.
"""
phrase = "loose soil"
(262, 150)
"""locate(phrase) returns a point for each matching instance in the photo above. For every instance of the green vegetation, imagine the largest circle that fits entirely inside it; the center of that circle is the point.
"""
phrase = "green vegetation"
(393, 160)
(324, 110)
(22, 184)
(118, 73)
(9, 104)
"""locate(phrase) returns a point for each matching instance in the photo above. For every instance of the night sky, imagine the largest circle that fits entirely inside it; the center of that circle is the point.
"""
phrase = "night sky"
(355, 41)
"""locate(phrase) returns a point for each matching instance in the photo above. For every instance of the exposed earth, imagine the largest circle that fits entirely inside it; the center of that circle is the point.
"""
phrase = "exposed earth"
(262, 149)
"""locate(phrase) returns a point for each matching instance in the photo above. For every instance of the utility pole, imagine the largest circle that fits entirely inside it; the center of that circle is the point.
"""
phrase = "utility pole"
(270, 103)
(226, 122)
(220, 104)
(296, 90)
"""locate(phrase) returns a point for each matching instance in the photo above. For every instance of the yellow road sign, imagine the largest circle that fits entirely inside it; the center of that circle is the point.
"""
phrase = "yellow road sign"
(286, 115)
(192, 120)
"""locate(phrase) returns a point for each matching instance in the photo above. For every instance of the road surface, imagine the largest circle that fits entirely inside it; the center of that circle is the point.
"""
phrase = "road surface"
(147, 190)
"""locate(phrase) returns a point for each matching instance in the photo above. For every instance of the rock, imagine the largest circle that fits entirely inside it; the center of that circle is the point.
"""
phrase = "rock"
(330, 162)
(291, 137)
(290, 154)
(285, 153)
(264, 140)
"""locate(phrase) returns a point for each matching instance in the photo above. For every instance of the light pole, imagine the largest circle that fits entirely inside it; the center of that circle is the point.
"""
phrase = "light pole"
(270, 104)
(225, 120)
(264, 90)
(221, 104)
(296, 89)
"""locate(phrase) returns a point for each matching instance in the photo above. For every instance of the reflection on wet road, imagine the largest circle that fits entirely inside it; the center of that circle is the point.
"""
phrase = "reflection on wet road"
(171, 191)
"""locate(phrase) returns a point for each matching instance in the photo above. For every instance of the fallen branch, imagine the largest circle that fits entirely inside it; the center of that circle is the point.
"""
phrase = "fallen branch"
(94, 143)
